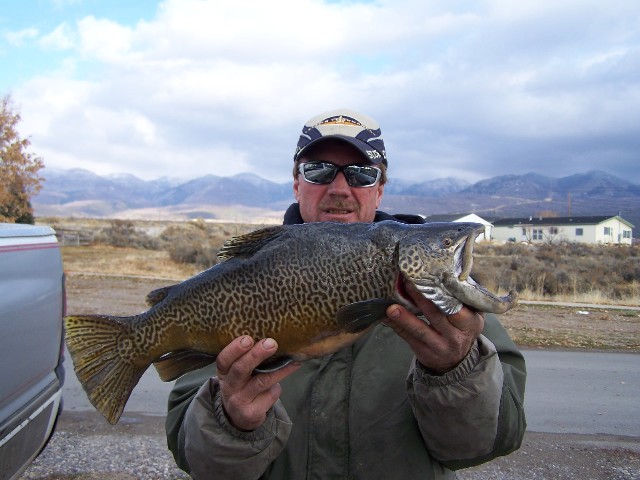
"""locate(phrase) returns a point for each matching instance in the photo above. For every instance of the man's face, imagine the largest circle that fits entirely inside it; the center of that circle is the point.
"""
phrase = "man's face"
(337, 201)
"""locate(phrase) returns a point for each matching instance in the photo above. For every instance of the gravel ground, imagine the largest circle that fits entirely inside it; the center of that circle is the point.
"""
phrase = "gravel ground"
(85, 447)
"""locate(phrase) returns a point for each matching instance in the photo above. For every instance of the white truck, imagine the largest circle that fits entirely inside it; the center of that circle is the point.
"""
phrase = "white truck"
(32, 307)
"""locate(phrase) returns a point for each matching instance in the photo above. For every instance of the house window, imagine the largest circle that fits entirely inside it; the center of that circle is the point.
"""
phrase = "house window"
(579, 232)
(607, 231)
(626, 234)
(537, 234)
(553, 230)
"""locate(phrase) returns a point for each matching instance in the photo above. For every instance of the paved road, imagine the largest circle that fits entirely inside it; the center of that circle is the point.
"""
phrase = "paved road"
(580, 305)
(567, 392)
(583, 392)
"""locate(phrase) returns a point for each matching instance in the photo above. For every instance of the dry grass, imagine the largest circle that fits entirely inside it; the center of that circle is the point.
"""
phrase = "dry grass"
(575, 273)
(593, 297)
(104, 259)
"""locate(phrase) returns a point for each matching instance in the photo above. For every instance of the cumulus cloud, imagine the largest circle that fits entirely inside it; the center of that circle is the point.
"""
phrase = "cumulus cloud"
(103, 40)
(61, 38)
(18, 38)
(469, 90)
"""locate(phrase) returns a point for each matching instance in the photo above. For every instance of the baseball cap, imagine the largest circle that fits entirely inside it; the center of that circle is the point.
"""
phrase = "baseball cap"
(359, 130)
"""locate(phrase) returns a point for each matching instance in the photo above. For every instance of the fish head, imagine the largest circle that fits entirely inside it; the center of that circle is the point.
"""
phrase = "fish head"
(437, 259)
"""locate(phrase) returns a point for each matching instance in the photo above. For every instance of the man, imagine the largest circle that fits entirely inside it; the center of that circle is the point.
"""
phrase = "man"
(416, 400)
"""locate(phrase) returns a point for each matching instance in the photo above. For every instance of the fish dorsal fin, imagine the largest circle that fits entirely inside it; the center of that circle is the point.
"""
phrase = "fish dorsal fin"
(175, 364)
(356, 317)
(156, 296)
(246, 245)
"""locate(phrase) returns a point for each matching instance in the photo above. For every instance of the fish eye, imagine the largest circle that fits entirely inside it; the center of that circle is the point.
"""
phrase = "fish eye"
(447, 242)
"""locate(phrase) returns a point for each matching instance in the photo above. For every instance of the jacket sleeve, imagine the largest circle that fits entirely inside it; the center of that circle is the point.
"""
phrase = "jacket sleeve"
(475, 412)
(206, 445)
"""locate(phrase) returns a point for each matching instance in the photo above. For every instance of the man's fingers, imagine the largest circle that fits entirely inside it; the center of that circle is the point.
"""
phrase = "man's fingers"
(243, 355)
(251, 415)
(232, 352)
(448, 325)
(442, 344)
(246, 397)
(262, 350)
(265, 381)
(240, 374)
(410, 328)
(430, 310)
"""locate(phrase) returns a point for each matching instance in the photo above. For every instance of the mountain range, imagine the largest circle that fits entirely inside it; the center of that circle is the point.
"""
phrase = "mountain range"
(247, 197)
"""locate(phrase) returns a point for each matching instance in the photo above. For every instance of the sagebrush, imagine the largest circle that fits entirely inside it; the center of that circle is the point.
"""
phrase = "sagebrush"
(566, 270)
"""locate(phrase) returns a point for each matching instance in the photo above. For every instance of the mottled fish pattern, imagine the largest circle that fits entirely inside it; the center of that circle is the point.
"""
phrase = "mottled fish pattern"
(314, 288)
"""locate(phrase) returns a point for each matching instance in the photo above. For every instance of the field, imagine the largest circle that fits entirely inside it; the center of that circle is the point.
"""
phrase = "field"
(105, 278)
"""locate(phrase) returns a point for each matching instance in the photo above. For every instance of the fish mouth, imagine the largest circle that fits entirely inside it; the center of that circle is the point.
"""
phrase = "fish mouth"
(463, 255)
(464, 288)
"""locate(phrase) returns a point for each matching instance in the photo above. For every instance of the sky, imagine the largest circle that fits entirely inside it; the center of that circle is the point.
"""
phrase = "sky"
(468, 89)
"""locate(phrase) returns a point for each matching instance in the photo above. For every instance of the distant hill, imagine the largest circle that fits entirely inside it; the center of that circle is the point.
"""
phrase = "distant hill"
(79, 192)
(533, 185)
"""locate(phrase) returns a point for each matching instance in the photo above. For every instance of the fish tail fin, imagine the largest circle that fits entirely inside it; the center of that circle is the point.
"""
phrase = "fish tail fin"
(107, 377)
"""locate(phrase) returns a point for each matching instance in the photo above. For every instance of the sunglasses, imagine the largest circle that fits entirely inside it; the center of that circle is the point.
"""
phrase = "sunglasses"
(323, 173)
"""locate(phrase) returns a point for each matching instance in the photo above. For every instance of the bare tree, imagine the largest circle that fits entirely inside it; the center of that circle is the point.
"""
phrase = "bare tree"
(19, 179)
(552, 235)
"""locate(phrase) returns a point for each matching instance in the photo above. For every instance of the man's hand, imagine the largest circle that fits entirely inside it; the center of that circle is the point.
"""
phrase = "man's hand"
(246, 397)
(444, 343)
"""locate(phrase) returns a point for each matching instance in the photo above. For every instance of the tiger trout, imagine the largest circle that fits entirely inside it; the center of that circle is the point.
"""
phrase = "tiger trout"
(314, 288)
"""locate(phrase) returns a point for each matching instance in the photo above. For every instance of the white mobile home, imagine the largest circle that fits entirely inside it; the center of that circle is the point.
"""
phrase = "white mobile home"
(603, 230)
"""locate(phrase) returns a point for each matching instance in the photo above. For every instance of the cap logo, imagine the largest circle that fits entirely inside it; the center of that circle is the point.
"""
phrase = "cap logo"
(342, 125)
(340, 120)
(375, 156)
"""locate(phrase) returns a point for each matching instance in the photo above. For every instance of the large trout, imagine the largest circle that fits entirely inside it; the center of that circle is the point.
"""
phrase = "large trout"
(314, 288)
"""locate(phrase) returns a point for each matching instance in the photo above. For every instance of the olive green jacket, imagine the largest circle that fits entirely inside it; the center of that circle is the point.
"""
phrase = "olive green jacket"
(358, 414)
(368, 411)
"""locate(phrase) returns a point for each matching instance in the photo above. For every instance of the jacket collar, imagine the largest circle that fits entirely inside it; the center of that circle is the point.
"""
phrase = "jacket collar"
(292, 216)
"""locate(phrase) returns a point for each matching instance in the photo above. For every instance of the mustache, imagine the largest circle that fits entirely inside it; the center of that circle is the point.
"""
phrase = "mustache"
(339, 205)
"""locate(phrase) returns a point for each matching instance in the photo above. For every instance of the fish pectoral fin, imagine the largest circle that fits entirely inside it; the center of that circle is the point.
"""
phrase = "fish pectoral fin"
(273, 364)
(175, 364)
(246, 245)
(156, 296)
(356, 317)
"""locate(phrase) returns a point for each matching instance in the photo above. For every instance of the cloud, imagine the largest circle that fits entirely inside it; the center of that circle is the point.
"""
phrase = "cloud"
(61, 38)
(18, 38)
(104, 40)
(469, 90)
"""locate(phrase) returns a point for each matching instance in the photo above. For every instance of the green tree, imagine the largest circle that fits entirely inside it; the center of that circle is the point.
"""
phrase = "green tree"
(19, 179)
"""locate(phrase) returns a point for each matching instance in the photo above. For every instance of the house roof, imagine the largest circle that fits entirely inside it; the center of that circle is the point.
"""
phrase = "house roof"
(449, 217)
(588, 220)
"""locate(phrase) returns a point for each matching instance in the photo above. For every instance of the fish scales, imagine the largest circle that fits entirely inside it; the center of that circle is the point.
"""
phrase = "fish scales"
(315, 288)
(276, 289)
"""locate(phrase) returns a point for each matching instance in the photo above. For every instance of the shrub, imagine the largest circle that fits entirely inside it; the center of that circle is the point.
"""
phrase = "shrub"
(192, 250)
(123, 233)
(560, 269)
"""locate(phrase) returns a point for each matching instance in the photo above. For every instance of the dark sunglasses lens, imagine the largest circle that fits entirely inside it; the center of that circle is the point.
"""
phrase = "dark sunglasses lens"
(321, 173)
(358, 176)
